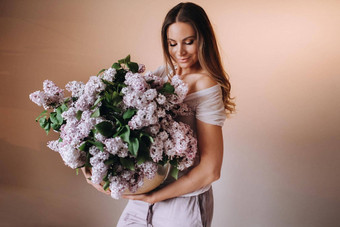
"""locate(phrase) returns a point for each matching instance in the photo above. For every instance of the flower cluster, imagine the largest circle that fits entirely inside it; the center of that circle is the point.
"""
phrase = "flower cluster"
(121, 124)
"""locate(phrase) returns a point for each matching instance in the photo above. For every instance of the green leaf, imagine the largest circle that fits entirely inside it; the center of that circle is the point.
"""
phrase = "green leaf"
(142, 157)
(101, 71)
(125, 60)
(143, 135)
(40, 115)
(77, 171)
(98, 144)
(167, 89)
(116, 65)
(106, 185)
(105, 128)
(174, 172)
(78, 115)
(63, 107)
(55, 126)
(99, 99)
(43, 122)
(133, 66)
(125, 134)
(96, 113)
(53, 118)
(59, 111)
(83, 146)
(109, 162)
(133, 146)
(129, 113)
(127, 163)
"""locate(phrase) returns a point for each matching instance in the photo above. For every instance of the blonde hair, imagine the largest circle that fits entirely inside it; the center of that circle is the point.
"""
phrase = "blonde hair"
(208, 54)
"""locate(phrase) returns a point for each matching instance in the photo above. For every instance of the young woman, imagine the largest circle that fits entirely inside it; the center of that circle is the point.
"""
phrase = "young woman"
(190, 51)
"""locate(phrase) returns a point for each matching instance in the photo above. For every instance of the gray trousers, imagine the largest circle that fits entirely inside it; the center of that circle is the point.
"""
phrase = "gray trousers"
(193, 211)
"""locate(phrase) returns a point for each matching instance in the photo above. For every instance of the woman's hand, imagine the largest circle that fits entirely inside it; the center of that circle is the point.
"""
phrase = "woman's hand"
(148, 198)
(87, 174)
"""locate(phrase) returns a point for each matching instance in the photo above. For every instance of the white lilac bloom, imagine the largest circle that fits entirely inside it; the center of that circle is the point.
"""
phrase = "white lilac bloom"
(116, 146)
(38, 97)
(51, 97)
(117, 186)
(141, 68)
(144, 117)
(53, 94)
(153, 129)
(150, 94)
(70, 114)
(182, 109)
(155, 80)
(99, 169)
(94, 86)
(135, 81)
(155, 114)
(157, 147)
(72, 157)
(148, 169)
(185, 163)
(75, 87)
(108, 74)
(181, 88)
(53, 145)
(85, 101)
(161, 99)
(136, 182)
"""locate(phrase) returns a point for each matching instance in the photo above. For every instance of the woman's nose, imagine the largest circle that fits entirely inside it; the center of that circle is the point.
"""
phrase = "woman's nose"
(181, 50)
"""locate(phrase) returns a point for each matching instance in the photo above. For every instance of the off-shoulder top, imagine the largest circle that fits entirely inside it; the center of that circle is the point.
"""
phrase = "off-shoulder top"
(207, 106)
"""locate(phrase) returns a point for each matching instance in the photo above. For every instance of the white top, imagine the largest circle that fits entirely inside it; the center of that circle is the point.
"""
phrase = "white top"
(207, 106)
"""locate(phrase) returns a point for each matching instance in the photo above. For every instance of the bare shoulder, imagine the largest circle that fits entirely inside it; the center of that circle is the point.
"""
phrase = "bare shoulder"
(204, 81)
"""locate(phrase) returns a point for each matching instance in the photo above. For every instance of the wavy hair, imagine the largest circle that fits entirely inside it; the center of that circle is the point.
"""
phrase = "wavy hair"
(208, 54)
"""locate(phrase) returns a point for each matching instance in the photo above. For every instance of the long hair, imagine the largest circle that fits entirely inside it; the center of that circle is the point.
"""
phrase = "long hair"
(208, 54)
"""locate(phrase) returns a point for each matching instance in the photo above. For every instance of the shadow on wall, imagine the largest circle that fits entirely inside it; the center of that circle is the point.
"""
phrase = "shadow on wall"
(35, 191)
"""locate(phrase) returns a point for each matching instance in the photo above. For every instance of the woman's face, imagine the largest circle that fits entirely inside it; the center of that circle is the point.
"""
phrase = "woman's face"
(182, 45)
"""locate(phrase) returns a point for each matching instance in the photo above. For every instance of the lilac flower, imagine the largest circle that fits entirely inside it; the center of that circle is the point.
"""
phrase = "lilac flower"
(72, 157)
(108, 74)
(38, 97)
(51, 97)
(156, 81)
(76, 87)
(117, 186)
(155, 116)
(53, 145)
(141, 68)
(94, 86)
(99, 169)
(116, 146)
(135, 81)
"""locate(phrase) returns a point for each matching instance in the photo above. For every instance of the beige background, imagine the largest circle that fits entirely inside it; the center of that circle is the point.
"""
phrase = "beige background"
(281, 163)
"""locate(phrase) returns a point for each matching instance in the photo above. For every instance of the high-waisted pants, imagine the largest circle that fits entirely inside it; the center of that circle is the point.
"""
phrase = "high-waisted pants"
(193, 211)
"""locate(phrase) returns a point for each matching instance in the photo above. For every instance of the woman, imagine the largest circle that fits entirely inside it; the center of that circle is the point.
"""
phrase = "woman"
(190, 51)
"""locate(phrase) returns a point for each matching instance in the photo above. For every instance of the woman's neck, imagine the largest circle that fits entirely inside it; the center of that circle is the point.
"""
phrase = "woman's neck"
(190, 70)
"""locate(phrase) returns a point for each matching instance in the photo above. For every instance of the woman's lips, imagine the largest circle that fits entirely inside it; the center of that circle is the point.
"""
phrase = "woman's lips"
(182, 60)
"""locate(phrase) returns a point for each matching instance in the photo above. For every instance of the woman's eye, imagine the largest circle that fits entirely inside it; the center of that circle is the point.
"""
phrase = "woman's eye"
(189, 42)
(172, 44)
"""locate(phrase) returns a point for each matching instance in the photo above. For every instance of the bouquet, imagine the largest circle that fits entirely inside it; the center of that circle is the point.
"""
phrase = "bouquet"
(121, 124)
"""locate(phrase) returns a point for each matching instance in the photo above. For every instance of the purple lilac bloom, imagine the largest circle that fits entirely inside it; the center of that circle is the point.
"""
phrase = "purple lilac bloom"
(99, 169)
(51, 97)
(75, 87)
(116, 146)
(108, 74)
(148, 169)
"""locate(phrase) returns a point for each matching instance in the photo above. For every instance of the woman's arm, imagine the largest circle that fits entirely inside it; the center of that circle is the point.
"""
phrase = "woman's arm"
(210, 145)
